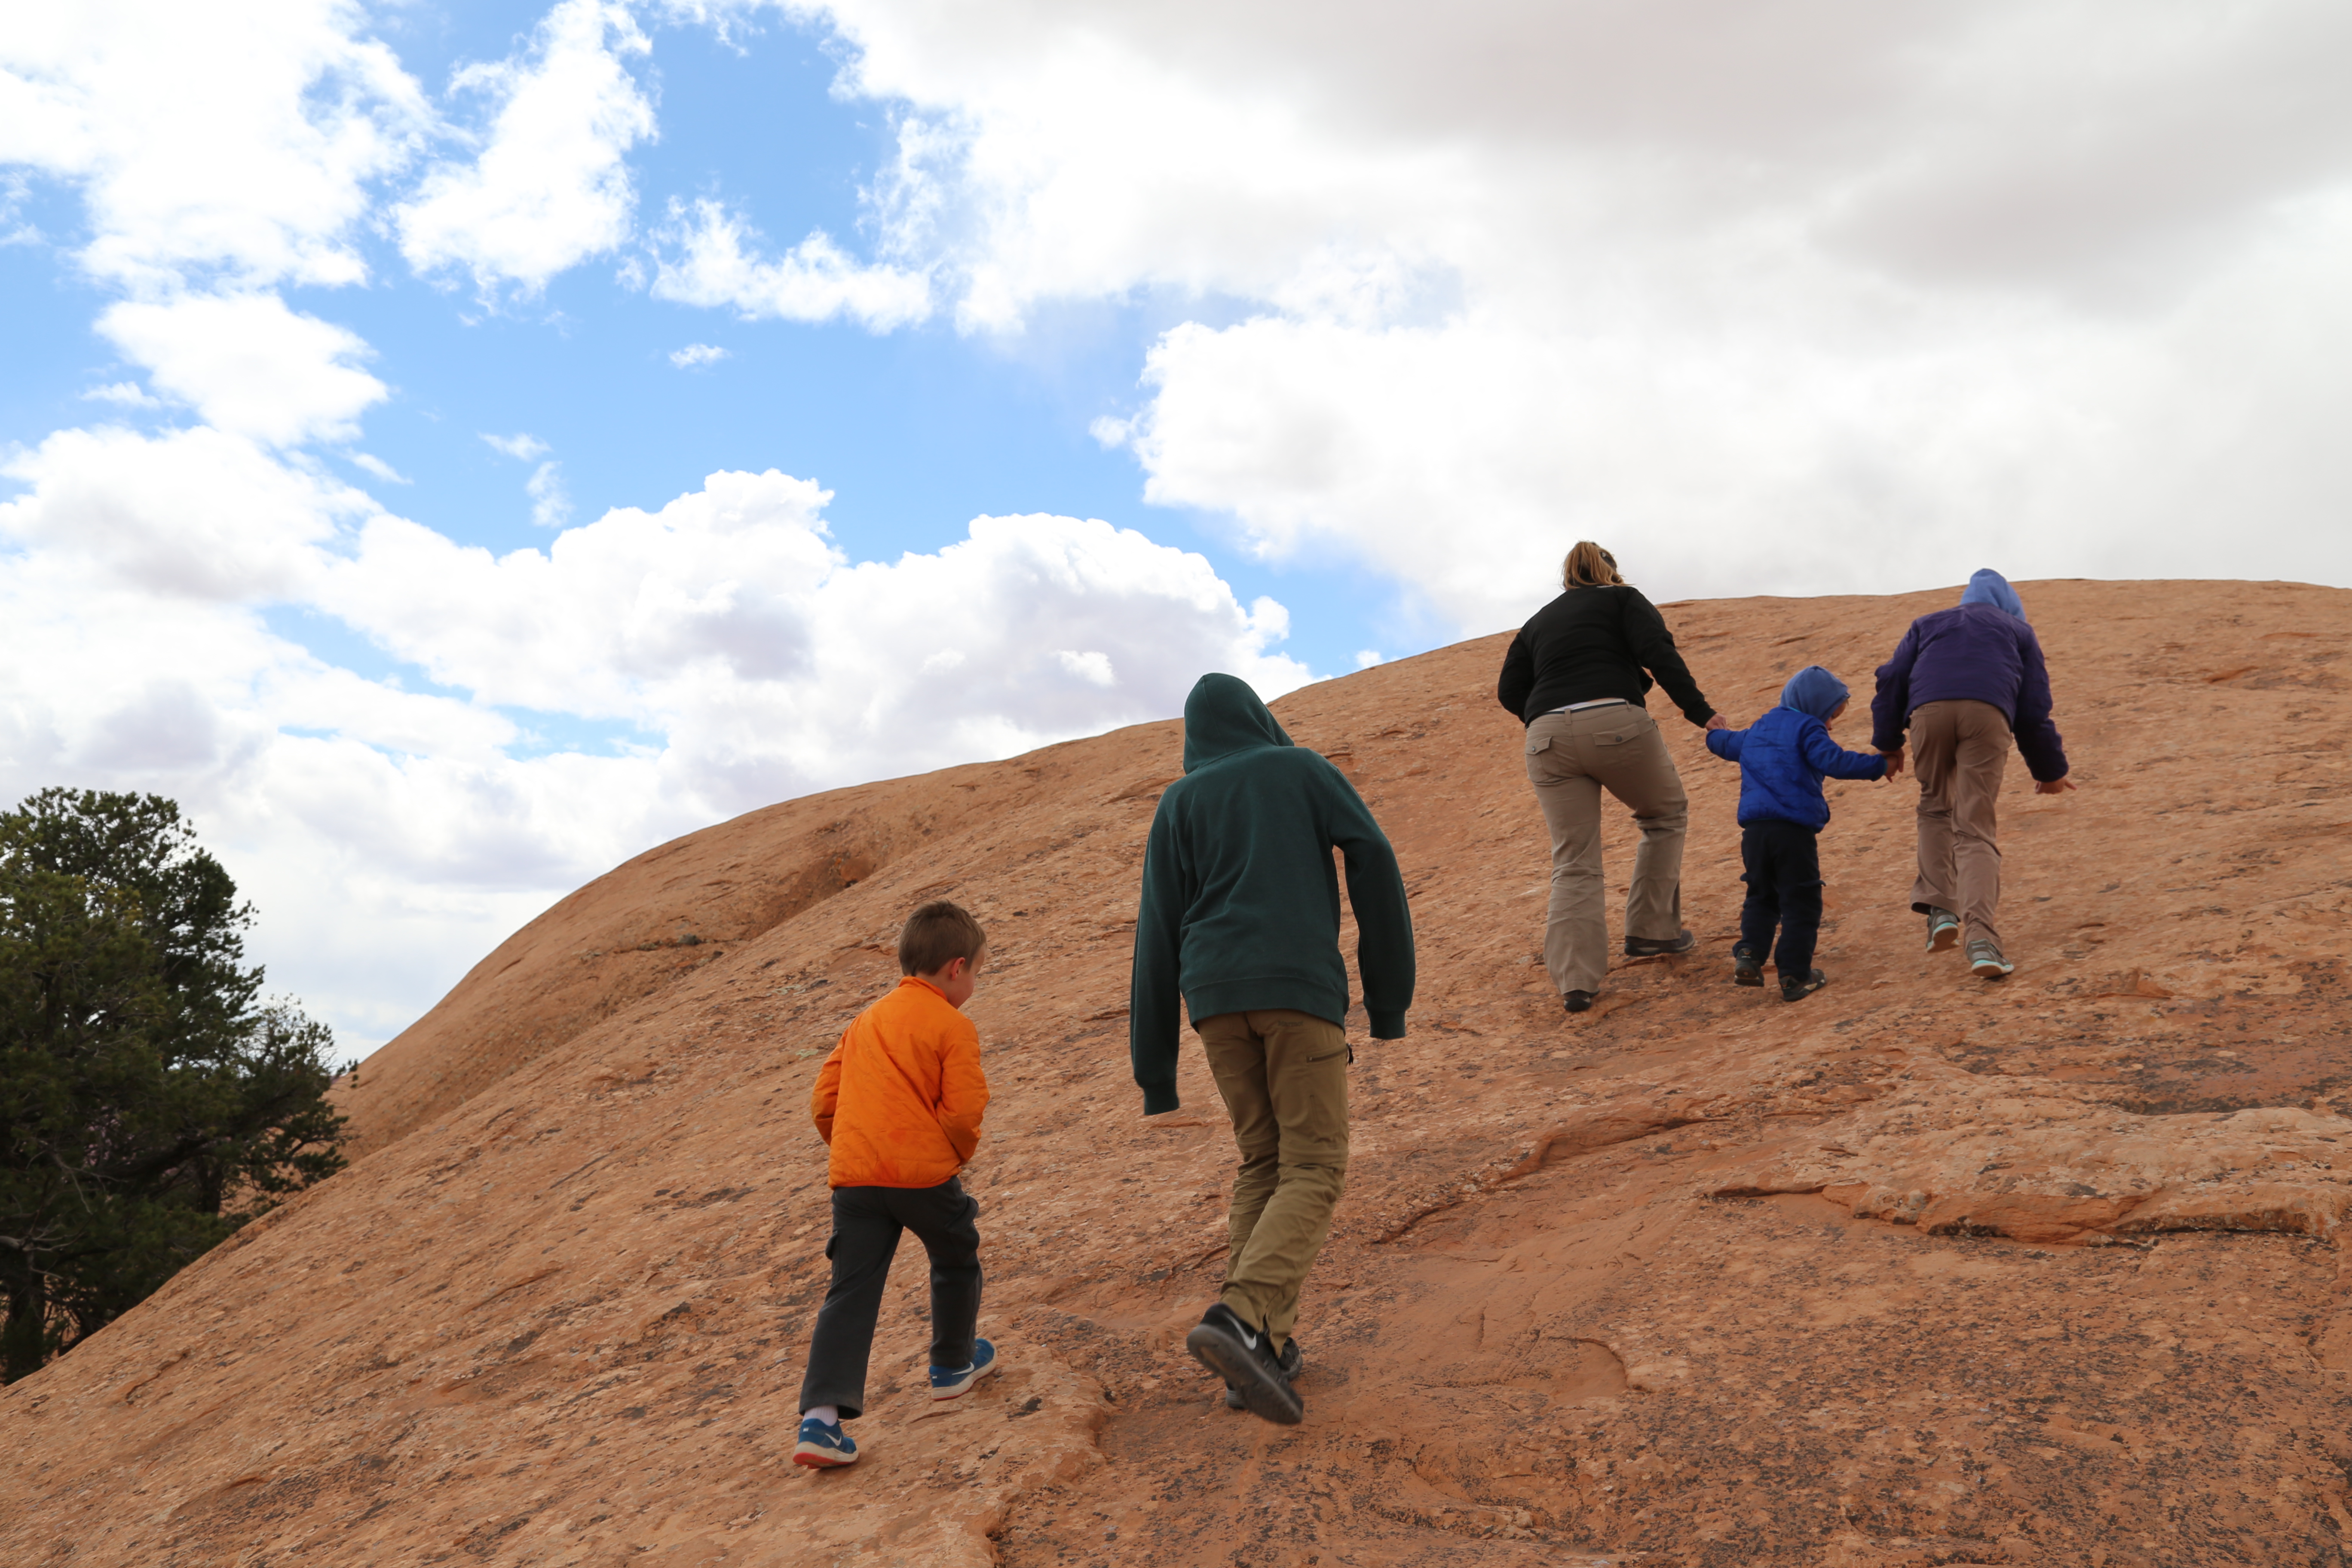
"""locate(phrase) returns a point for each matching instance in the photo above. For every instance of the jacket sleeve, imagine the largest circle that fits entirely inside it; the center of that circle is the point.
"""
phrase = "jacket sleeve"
(1153, 994)
(1726, 743)
(964, 1091)
(1519, 679)
(1384, 957)
(1653, 649)
(1890, 708)
(2037, 738)
(1828, 758)
(826, 1095)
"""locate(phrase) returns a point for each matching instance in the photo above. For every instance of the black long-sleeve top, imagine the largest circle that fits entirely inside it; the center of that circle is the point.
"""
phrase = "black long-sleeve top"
(1595, 643)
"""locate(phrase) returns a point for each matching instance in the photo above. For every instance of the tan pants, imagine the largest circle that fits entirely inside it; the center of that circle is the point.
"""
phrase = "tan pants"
(1571, 758)
(1283, 1075)
(1959, 749)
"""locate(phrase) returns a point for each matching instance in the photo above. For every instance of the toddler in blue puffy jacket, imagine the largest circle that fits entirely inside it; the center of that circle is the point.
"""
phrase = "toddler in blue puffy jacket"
(1782, 758)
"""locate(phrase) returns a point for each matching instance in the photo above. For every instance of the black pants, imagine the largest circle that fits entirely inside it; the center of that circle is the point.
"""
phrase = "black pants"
(866, 1224)
(1784, 889)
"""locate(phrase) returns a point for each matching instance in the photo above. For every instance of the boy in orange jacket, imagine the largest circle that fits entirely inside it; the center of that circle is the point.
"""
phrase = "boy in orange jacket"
(900, 1101)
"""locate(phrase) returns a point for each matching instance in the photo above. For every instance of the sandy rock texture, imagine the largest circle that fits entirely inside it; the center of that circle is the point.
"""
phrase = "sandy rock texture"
(1922, 1271)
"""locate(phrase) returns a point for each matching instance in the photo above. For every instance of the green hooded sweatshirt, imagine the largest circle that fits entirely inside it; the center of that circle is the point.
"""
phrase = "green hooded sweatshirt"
(1240, 908)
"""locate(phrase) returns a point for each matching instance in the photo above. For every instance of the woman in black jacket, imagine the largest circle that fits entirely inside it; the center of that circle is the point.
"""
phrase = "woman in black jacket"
(1576, 676)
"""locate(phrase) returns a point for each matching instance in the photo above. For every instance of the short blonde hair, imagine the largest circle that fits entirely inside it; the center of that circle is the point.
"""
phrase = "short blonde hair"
(1588, 566)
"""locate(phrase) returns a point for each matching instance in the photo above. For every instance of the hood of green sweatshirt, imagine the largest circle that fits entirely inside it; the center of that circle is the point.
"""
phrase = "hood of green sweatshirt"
(1224, 716)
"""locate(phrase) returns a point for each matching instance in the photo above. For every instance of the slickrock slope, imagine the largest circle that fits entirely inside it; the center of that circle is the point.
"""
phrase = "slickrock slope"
(1920, 1271)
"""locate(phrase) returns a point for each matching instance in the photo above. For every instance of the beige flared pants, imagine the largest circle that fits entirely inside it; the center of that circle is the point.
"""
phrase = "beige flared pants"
(1571, 758)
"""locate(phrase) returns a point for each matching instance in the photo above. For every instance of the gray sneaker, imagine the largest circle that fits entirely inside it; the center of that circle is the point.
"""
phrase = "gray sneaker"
(1985, 958)
(1943, 931)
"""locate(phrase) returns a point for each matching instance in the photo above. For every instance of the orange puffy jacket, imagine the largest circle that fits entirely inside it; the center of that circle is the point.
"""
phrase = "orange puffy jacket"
(900, 1098)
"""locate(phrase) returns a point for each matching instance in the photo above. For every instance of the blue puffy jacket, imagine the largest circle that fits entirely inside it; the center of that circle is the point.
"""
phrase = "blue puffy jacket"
(1784, 755)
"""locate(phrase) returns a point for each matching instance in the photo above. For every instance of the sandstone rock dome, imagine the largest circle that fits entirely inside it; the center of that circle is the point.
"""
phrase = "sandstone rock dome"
(1924, 1270)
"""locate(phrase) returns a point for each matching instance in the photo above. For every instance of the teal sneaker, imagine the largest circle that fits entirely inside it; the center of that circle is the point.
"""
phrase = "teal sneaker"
(823, 1446)
(1985, 958)
(1943, 931)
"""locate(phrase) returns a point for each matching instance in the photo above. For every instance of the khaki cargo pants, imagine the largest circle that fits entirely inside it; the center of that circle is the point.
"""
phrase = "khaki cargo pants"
(1959, 749)
(1283, 1075)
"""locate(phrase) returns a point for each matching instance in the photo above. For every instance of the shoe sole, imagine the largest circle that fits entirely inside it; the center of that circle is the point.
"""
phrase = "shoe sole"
(1266, 1395)
(1944, 939)
(1631, 951)
(1801, 995)
(1985, 971)
(1747, 977)
(958, 1391)
(818, 1459)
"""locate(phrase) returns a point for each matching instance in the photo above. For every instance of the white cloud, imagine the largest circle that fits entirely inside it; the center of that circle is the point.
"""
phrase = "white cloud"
(248, 364)
(521, 446)
(124, 395)
(1829, 296)
(368, 462)
(243, 145)
(550, 185)
(550, 504)
(391, 830)
(694, 356)
(815, 281)
(1367, 657)
(190, 514)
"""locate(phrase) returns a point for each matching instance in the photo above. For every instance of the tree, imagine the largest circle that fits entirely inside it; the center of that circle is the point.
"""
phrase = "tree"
(151, 1102)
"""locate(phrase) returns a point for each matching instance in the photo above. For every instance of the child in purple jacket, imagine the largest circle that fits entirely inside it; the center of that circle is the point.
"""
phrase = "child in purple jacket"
(1782, 758)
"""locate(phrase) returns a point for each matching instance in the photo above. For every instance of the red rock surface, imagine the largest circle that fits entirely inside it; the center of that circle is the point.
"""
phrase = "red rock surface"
(1922, 1271)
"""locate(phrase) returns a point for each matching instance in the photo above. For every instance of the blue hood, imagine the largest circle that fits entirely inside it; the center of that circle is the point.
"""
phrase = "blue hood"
(1990, 587)
(1814, 690)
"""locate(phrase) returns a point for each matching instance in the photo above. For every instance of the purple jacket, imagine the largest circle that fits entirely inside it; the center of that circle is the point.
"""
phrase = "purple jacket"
(1974, 653)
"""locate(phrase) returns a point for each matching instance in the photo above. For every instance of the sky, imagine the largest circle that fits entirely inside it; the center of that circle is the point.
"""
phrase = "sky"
(451, 449)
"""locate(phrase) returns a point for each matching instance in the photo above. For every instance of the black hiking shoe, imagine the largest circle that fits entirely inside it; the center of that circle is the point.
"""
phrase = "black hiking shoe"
(1655, 946)
(1798, 990)
(1287, 1365)
(1240, 1354)
(1577, 1001)
(1747, 966)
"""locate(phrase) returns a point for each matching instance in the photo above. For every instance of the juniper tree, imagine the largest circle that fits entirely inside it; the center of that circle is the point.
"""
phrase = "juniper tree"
(151, 1101)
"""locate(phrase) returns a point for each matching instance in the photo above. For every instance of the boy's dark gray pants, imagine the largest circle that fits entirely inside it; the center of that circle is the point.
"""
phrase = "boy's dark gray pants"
(866, 1224)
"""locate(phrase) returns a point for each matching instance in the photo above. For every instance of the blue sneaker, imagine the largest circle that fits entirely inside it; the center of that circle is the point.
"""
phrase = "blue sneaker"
(948, 1383)
(823, 1446)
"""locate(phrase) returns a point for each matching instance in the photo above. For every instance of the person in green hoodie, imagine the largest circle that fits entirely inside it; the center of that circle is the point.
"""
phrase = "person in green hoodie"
(1240, 917)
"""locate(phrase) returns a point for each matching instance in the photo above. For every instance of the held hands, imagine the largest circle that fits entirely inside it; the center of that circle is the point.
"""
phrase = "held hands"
(1717, 721)
(1894, 762)
(2053, 786)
